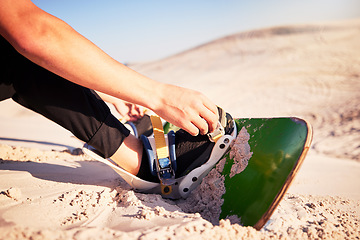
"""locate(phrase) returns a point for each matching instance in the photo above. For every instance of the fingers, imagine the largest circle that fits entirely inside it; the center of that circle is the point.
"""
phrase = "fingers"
(203, 122)
(129, 111)
(187, 109)
(201, 126)
(195, 126)
(210, 115)
(192, 129)
(135, 112)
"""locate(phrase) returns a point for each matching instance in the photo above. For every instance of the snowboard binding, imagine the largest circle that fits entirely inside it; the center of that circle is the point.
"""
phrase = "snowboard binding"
(160, 150)
(165, 168)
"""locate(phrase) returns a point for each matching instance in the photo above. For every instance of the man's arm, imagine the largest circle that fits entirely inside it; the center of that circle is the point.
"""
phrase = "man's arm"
(54, 45)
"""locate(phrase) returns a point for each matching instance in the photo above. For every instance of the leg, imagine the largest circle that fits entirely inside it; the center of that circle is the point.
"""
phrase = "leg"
(129, 154)
(6, 91)
(76, 108)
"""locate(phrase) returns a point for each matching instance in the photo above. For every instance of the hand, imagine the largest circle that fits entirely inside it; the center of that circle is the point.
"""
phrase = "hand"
(187, 109)
(129, 111)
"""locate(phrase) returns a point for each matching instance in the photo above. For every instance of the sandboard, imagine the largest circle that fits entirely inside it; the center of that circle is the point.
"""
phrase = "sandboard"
(279, 146)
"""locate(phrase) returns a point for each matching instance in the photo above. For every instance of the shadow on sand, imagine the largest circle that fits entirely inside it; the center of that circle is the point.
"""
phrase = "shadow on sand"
(75, 172)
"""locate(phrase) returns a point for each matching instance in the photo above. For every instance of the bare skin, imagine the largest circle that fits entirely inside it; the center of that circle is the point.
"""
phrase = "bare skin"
(128, 111)
(54, 45)
(129, 154)
(131, 147)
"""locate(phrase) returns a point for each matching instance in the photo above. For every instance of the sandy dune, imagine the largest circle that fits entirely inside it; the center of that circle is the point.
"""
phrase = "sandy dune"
(309, 71)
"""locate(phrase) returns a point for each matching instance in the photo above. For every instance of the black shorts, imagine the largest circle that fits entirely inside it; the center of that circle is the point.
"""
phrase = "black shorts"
(76, 108)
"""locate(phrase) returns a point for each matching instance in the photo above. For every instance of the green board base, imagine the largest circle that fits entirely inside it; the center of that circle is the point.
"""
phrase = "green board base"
(279, 146)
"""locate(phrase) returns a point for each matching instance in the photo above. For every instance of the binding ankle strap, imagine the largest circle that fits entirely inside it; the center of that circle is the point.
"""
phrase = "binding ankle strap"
(164, 167)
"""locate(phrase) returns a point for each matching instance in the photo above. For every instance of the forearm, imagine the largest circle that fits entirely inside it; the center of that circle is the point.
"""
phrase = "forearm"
(54, 45)
(78, 60)
(108, 98)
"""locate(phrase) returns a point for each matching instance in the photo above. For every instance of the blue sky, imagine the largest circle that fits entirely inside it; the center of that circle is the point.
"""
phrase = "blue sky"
(140, 30)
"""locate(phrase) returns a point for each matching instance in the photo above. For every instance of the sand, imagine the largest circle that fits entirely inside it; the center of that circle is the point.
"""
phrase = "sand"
(240, 152)
(50, 190)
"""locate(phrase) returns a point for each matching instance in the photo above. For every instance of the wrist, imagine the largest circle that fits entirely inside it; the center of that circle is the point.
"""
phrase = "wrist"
(157, 97)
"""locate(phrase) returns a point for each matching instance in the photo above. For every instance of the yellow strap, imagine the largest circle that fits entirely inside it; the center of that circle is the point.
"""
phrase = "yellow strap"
(162, 150)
